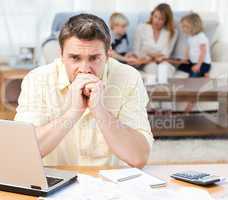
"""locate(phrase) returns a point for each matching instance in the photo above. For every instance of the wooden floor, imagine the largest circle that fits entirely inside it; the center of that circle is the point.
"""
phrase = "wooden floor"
(8, 113)
(192, 125)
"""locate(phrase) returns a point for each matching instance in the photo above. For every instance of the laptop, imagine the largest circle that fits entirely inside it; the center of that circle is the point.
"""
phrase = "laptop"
(21, 167)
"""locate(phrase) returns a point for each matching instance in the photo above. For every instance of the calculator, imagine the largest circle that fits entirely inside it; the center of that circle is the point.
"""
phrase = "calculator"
(197, 178)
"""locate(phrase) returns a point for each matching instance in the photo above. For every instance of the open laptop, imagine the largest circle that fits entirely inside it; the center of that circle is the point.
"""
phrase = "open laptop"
(21, 167)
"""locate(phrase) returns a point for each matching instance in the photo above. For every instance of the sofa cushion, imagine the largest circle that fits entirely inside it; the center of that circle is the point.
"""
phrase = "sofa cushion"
(219, 70)
(180, 74)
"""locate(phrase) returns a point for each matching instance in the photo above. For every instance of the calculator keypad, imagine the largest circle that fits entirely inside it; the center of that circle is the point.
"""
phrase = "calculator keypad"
(195, 177)
(192, 175)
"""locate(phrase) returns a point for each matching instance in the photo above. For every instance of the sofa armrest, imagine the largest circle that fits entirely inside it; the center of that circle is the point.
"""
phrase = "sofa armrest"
(50, 51)
(219, 52)
(219, 70)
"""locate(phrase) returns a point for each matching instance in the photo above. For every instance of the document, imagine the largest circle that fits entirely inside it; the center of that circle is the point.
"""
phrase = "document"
(90, 188)
(132, 176)
(146, 187)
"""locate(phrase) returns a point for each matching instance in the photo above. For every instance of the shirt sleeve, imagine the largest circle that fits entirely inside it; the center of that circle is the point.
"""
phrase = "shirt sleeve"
(171, 44)
(137, 39)
(203, 39)
(31, 103)
(133, 113)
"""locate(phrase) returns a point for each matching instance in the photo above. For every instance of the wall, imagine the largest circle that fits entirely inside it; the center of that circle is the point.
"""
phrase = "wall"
(28, 22)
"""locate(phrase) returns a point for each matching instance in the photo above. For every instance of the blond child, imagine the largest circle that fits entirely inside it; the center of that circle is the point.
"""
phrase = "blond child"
(197, 62)
(120, 44)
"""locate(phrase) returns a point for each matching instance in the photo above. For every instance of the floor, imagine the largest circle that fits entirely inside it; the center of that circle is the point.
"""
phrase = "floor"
(190, 150)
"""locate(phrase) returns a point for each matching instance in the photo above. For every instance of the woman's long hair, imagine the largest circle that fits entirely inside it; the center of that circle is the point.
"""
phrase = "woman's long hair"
(165, 11)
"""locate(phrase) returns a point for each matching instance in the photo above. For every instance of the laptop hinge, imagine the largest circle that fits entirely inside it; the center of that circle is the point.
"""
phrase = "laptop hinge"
(35, 187)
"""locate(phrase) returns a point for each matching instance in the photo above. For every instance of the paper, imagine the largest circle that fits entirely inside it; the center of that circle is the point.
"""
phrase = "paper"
(140, 186)
(90, 188)
(223, 180)
(170, 194)
(139, 178)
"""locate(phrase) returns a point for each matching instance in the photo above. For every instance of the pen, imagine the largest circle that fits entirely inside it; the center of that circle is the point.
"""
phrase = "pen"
(128, 177)
(158, 185)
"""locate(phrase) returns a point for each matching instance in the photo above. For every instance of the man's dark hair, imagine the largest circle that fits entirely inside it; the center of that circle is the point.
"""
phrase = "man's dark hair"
(85, 27)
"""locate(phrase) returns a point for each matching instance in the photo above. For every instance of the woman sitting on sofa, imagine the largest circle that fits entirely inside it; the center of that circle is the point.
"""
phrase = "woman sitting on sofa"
(154, 42)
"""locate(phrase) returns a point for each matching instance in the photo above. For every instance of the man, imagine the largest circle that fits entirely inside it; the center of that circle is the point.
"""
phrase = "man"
(88, 109)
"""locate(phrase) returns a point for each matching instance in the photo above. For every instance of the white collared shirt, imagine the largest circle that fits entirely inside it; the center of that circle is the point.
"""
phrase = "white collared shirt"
(43, 98)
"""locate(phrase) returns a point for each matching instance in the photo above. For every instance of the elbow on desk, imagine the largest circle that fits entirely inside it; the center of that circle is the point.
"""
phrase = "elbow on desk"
(139, 162)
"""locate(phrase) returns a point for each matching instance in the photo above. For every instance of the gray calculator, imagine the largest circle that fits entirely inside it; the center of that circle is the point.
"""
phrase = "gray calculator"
(197, 178)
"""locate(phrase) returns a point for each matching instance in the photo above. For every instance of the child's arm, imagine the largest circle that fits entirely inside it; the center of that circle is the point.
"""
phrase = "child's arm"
(186, 54)
(179, 61)
(203, 50)
(117, 56)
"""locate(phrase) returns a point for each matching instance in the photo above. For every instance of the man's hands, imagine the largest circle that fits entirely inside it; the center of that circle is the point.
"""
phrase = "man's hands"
(86, 92)
(95, 94)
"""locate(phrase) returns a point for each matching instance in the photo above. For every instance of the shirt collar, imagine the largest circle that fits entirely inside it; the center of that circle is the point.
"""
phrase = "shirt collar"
(63, 79)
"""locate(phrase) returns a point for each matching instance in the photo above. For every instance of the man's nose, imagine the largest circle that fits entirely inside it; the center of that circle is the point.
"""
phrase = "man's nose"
(85, 67)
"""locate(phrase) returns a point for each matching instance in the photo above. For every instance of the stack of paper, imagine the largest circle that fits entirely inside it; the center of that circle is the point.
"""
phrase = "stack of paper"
(146, 187)
(132, 176)
(90, 188)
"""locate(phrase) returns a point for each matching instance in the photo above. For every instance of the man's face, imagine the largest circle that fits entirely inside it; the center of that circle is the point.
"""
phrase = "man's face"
(83, 56)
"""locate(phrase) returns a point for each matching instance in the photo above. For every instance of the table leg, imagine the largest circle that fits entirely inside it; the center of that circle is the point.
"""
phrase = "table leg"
(223, 109)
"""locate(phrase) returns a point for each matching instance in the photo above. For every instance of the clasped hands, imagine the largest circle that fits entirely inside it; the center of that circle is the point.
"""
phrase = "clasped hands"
(86, 91)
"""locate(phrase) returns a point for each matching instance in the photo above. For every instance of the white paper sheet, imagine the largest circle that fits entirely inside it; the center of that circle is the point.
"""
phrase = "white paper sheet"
(90, 188)
(144, 180)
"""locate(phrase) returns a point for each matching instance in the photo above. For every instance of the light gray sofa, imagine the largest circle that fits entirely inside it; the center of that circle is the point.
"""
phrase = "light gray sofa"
(219, 49)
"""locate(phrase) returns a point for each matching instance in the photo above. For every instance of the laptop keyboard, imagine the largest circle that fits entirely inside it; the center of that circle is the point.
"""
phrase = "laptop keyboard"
(52, 181)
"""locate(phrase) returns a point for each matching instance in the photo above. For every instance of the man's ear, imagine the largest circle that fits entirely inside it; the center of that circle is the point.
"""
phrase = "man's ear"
(109, 53)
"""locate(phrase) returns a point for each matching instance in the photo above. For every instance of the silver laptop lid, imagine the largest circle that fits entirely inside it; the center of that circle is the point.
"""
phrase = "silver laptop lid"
(20, 160)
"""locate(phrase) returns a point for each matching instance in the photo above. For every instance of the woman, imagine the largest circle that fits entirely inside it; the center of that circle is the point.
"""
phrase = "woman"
(154, 42)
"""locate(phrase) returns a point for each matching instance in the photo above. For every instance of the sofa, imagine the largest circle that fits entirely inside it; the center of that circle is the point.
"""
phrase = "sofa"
(218, 48)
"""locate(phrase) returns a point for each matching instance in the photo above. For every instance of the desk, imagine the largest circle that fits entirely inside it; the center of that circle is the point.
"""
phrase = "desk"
(161, 171)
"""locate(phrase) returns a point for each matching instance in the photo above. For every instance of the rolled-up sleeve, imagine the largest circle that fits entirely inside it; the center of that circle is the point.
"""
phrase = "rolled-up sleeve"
(133, 112)
(31, 103)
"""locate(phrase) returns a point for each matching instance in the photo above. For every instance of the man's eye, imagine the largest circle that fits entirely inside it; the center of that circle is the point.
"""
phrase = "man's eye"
(75, 58)
(93, 58)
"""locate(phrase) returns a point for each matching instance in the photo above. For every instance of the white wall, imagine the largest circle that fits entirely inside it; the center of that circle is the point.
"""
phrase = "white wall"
(28, 22)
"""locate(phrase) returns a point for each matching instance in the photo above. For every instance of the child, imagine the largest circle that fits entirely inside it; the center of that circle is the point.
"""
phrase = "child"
(120, 44)
(197, 62)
